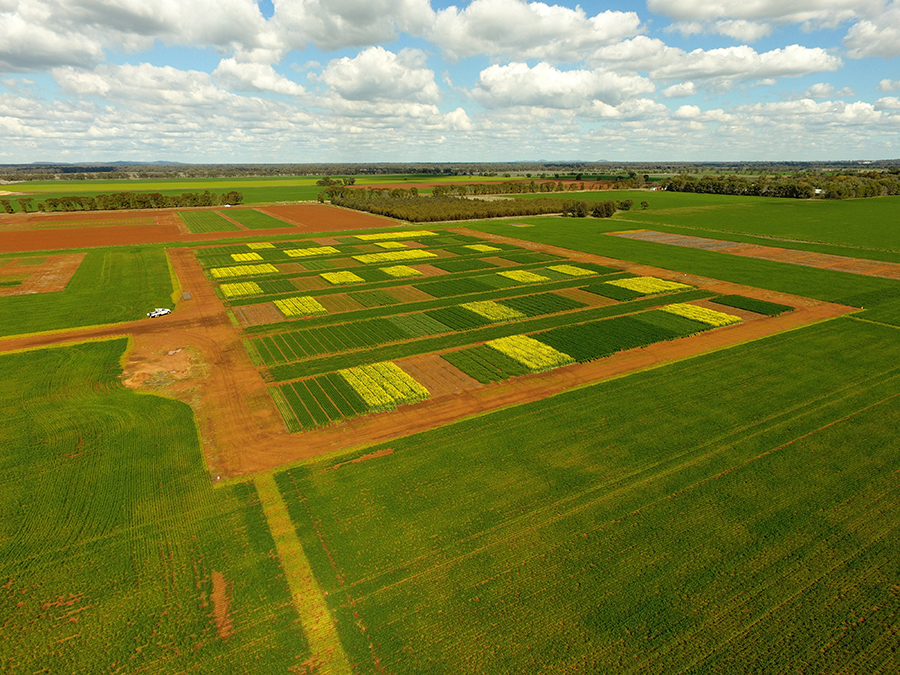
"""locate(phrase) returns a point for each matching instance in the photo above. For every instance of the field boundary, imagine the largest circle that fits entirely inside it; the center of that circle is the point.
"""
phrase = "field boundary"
(328, 655)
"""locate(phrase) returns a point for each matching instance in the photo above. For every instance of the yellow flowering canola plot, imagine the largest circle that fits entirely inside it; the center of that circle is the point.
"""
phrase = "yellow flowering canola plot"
(484, 248)
(401, 271)
(390, 244)
(243, 270)
(341, 277)
(493, 310)
(300, 306)
(648, 285)
(261, 244)
(523, 276)
(306, 252)
(572, 271)
(407, 234)
(702, 314)
(246, 257)
(383, 386)
(392, 256)
(245, 288)
(534, 355)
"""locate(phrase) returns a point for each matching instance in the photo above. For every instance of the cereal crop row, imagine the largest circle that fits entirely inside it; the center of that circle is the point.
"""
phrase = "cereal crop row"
(753, 305)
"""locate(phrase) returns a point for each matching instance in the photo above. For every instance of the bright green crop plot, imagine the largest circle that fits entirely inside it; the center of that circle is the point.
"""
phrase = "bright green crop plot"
(109, 286)
(206, 221)
(111, 533)
(731, 513)
(256, 220)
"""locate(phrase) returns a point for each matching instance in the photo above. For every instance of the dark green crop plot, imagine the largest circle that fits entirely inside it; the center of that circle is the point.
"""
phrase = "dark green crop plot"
(596, 339)
(112, 532)
(612, 291)
(446, 288)
(206, 221)
(637, 525)
(375, 298)
(752, 304)
(458, 318)
(461, 264)
(256, 220)
(542, 303)
(485, 364)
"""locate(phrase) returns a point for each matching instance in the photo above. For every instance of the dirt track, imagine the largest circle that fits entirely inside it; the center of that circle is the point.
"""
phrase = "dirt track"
(243, 433)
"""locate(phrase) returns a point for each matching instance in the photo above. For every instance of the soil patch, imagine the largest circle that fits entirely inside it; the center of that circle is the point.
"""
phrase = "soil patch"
(253, 315)
(372, 455)
(52, 274)
(221, 602)
(437, 375)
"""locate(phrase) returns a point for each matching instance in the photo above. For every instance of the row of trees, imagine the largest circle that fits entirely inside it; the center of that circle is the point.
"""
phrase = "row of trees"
(840, 186)
(124, 201)
(410, 206)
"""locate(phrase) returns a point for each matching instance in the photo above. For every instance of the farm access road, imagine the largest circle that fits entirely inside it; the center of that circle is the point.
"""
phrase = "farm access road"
(196, 355)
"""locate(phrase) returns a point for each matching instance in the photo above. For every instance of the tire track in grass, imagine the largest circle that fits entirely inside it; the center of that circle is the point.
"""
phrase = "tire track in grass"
(327, 652)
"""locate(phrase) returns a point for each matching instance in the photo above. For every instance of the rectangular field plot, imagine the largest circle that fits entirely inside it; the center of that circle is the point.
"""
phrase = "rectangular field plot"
(753, 305)
(206, 221)
(256, 220)
(338, 396)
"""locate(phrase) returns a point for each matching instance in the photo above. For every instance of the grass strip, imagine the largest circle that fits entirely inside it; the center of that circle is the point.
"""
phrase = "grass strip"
(315, 618)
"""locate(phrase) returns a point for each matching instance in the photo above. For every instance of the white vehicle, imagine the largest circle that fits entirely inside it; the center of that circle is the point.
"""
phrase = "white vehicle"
(159, 311)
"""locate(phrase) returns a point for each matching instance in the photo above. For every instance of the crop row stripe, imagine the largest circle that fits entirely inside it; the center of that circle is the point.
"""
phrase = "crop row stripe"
(702, 314)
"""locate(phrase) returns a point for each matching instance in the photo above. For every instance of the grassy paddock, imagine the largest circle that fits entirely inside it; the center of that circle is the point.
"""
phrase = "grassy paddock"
(112, 538)
(573, 533)
(109, 286)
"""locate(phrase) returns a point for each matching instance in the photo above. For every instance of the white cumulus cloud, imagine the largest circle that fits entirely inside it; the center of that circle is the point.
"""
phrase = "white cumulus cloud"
(518, 84)
(380, 75)
(253, 77)
(524, 30)
(333, 24)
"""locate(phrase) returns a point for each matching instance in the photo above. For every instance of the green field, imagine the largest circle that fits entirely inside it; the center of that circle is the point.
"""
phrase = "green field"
(639, 525)
(111, 534)
(109, 286)
(206, 221)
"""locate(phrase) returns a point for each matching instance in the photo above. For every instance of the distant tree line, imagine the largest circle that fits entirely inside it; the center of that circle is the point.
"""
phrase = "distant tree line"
(798, 186)
(124, 201)
(409, 205)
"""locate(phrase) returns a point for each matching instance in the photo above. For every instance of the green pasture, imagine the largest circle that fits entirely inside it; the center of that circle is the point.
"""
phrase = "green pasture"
(734, 512)
(110, 286)
(111, 532)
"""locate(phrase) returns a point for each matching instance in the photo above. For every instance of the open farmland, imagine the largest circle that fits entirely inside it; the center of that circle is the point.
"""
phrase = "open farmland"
(494, 449)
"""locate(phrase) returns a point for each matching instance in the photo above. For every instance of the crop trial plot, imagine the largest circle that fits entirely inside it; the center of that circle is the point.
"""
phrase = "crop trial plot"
(333, 343)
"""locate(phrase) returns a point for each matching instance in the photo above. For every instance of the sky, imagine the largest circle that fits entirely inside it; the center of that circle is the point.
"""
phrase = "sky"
(295, 81)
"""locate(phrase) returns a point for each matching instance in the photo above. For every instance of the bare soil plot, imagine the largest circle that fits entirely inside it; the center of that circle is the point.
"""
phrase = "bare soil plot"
(437, 375)
(408, 294)
(340, 302)
(323, 218)
(51, 275)
(825, 261)
(252, 315)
